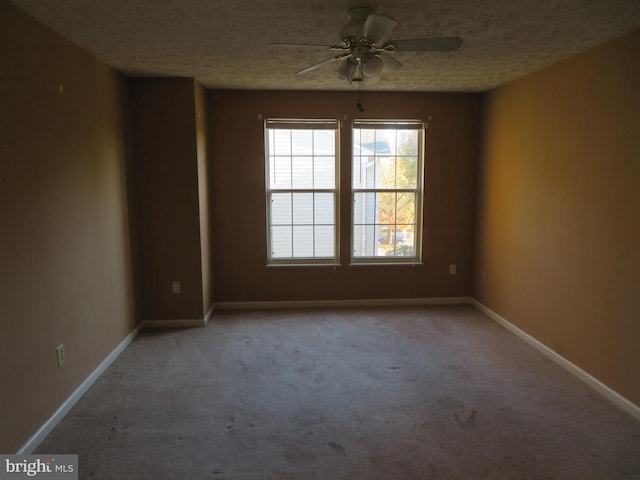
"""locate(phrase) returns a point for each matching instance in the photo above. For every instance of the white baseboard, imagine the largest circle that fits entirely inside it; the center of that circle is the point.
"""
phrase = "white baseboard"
(63, 409)
(174, 323)
(209, 314)
(180, 322)
(371, 302)
(613, 396)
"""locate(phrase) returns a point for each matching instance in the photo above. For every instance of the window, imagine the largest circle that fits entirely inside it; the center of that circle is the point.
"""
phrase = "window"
(387, 191)
(302, 196)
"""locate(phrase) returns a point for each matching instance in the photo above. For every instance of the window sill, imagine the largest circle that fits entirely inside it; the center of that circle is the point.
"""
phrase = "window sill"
(352, 264)
(386, 264)
(278, 265)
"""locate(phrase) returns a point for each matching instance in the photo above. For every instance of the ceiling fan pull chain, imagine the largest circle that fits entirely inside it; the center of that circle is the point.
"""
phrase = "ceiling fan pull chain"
(359, 104)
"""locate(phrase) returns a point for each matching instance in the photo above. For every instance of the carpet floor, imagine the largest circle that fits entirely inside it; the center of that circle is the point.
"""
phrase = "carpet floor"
(437, 392)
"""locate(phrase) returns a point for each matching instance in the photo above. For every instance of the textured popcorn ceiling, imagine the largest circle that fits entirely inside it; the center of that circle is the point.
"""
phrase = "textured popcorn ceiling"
(225, 43)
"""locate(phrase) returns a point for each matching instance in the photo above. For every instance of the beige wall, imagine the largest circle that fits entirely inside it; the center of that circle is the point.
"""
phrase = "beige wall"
(169, 151)
(558, 239)
(65, 269)
(238, 197)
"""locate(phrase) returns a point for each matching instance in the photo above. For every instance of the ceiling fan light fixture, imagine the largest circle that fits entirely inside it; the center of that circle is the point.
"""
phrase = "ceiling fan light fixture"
(347, 70)
(370, 80)
(372, 66)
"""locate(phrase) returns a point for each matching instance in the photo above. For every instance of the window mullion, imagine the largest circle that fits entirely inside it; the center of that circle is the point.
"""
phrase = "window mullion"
(395, 184)
(313, 195)
(291, 186)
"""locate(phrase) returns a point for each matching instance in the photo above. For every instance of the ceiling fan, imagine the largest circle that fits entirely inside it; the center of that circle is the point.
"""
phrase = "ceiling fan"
(365, 52)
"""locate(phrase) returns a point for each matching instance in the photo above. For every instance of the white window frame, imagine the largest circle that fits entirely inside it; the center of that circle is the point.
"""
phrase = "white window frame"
(324, 124)
(418, 190)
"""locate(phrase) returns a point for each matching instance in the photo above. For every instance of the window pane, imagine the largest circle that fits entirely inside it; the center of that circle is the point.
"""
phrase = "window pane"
(281, 209)
(280, 142)
(385, 172)
(324, 142)
(281, 246)
(323, 207)
(303, 208)
(364, 173)
(407, 172)
(385, 235)
(386, 208)
(302, 172)
(406, 208)
(358, 172)
(407, 236)
(358, 240)
(365, 208)
(280, 172)
(324, 241)
(364, 240)
(402, 242)
(408, 142)
(324, 175)
(303, 241)
(367, 142)
(301, 142)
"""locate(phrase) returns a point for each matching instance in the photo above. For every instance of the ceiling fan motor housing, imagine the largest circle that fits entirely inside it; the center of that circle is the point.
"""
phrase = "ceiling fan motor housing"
(361, 52)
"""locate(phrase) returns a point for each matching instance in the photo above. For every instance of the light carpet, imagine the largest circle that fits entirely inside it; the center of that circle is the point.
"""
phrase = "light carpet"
(437, 392)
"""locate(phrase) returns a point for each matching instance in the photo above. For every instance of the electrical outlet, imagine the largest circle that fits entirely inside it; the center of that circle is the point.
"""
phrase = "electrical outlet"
(60, 354)
(452, 269)
(175, 286)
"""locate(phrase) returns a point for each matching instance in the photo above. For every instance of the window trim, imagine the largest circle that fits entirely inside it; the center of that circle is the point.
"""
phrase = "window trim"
(313, 124)
(380, 124)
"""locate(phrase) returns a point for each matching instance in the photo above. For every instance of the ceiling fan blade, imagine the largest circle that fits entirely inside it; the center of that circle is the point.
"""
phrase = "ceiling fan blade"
(390, 63)
(438, 44)
(313, 67)
(377, 27)
(286, 44)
